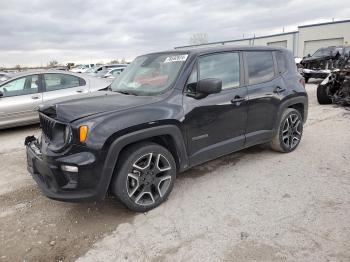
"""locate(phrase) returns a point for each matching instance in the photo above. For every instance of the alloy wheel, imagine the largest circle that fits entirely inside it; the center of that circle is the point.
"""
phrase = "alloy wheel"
(291, 131)
(148, 179)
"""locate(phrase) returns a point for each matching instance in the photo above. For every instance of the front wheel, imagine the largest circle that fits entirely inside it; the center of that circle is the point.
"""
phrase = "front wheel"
(289, 131)
(144, 176)
(322, 97)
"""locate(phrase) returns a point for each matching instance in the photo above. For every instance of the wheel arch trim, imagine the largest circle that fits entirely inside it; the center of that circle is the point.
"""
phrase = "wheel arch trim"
(289, 103)
(121, 142)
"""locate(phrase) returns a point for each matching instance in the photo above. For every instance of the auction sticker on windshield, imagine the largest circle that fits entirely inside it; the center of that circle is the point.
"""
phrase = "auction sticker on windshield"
(175, 58)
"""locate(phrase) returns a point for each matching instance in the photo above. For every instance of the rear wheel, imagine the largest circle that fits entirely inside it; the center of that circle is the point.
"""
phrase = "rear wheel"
(145, 176)
(322, 96)
(289, 132)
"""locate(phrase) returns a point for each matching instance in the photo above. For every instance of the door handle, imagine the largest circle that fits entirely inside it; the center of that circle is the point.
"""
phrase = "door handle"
(237, 99)
(278, 90)
(35, 97)
(79, 91)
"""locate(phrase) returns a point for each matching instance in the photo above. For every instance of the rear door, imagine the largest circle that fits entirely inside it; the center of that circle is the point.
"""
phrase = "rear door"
(265, 91)
(58, 85)
(20, 100)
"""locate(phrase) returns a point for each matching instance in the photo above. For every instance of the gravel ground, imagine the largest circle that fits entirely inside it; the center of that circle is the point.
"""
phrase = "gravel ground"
(253, 205)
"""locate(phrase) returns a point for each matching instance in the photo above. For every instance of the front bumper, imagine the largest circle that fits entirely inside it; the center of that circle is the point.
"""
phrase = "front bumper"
(85, 185)
(310, 73)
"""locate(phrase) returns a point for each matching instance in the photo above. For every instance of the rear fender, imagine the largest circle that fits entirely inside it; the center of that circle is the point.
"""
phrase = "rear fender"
(289, 103)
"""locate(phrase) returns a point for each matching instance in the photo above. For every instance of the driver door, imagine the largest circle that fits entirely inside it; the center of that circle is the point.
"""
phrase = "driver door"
(215, 125)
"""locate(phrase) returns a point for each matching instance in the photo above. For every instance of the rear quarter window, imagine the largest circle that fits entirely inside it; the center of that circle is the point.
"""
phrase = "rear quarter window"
(281, 62)
(260, 66)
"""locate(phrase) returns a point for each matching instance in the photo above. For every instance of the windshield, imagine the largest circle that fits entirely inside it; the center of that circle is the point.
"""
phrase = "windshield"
(327, 51)
(150, 74)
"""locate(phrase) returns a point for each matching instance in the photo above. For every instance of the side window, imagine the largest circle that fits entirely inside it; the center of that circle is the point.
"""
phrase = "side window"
(117, 72)
(223, 66)
(260, 66)
(21, 86)
(281, 62)
(60, 81)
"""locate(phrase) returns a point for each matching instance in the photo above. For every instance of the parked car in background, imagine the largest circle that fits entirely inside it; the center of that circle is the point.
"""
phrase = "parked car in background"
(167, 112)
(112, 73)
(335, 88)
(62, 68)
(297, 63)
(323, 61)
(4, 76)
(103, 69)
(21, 95)
(82, 68)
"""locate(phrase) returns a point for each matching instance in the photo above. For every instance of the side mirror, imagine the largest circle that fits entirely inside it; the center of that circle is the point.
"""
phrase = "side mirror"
(308, 55)
(209, 86)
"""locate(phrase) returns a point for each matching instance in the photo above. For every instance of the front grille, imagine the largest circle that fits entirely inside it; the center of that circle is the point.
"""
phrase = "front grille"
(319, 65)
(47, 125)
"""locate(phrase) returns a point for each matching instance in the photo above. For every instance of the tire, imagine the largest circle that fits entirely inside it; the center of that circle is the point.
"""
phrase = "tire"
(144, 176)
(322, 97)
(289, 133)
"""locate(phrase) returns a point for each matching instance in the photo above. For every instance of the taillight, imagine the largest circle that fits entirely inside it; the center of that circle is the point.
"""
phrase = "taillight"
(302, 82)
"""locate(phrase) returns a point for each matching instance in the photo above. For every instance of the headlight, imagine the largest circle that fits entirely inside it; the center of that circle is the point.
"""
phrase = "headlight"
(67, 134)
(62, 136)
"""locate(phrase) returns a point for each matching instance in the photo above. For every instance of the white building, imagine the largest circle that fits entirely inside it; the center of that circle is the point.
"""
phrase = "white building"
(305, 41)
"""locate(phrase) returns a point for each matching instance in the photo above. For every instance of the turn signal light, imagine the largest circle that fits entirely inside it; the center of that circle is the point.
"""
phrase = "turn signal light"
(83, 132)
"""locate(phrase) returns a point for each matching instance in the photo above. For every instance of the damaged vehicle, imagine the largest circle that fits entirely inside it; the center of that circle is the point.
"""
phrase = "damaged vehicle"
(167, 112)
(335, 88)
(323, 61)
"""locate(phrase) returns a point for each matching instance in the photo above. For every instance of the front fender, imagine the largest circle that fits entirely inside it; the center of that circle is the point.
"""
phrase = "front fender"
(121, 142)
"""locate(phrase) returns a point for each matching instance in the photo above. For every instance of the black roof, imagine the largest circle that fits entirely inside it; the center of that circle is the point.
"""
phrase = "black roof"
(216, 49)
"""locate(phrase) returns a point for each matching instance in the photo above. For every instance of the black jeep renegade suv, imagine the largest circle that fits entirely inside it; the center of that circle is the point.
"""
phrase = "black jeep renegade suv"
(167, 112)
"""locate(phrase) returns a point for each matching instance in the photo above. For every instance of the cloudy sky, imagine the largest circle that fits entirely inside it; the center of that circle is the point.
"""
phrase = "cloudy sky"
(33, 32)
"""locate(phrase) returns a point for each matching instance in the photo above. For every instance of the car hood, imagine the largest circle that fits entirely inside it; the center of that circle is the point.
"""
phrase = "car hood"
(94, 103)
(315, 59)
